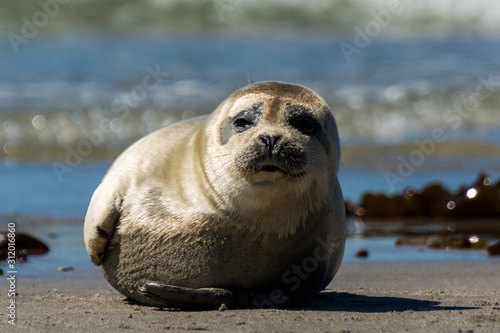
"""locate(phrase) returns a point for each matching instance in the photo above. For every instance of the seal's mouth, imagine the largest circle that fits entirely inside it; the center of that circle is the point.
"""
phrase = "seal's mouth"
(271, 168)
(287, 162)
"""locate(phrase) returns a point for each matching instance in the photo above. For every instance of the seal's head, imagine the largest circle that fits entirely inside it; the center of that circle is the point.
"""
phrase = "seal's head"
(277, 144)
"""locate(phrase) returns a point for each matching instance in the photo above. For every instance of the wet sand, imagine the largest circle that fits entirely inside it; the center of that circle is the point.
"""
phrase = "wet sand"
(364, 297)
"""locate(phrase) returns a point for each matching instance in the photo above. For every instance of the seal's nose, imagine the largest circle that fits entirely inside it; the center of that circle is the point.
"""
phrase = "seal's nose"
(270, 141)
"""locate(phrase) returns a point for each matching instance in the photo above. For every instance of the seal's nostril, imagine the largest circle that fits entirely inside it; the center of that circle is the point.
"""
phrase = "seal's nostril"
(274, 140)
(270, 140)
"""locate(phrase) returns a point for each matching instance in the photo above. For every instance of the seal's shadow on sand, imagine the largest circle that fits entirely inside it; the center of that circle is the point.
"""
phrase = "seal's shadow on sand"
(332, 301)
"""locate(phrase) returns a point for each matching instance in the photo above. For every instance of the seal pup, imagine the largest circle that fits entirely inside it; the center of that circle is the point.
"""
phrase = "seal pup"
(241, 208)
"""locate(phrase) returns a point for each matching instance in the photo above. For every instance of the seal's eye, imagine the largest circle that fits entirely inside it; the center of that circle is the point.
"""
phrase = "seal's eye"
(304, 124)
(242, 123)
(245, 119)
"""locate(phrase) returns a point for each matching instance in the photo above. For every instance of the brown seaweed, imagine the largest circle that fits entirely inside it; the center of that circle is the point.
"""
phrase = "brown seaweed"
(479, 200)
(494, 249)
(444, 242)
(23, 246)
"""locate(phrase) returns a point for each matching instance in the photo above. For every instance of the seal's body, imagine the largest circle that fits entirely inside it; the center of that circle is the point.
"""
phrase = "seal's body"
(242, 207)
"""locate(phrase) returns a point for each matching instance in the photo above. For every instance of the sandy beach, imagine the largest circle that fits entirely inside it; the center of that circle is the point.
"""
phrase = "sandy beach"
(364, 297)
(415, 91)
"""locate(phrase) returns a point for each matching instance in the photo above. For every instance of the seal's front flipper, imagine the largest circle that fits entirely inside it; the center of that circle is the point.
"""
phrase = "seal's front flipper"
(213, 298)
(189, 298)
(102, 217)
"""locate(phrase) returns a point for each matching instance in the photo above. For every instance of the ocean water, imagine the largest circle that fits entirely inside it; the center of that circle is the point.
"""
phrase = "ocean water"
(90, 79)
(115, 89)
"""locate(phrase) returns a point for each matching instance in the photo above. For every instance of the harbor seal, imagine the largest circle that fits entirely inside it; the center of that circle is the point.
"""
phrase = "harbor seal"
(242, 207)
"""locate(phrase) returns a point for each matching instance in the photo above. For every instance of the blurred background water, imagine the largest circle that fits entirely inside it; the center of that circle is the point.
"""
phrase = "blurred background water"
(81, 80)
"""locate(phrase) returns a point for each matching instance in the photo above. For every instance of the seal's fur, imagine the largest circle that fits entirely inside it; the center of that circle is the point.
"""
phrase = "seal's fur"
(240, 200)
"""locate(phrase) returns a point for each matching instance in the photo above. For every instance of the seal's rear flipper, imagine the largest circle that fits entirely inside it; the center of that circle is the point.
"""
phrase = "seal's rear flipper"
(189, 298)
(210, 298)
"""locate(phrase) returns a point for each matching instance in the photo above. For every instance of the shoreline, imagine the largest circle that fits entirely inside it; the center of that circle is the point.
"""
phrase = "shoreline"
(376, 155)
(363, 297)
(392, 241)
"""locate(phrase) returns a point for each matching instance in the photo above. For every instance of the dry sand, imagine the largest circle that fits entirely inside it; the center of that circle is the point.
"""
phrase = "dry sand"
(364, 297)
